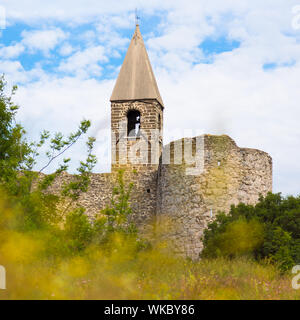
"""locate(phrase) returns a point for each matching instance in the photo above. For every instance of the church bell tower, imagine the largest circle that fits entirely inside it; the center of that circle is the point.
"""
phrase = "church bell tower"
(136, 111)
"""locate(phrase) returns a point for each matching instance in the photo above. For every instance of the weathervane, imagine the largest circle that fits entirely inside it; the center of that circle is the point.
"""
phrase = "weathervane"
(137, 18)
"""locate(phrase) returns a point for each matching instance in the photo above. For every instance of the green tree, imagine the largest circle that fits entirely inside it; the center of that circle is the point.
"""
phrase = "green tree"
(14, 150)
(37, 208)
(78, 231)
(276, 236)
(28, 189)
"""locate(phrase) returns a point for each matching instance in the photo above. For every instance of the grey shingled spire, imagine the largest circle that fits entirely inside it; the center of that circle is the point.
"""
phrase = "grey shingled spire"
(136, 79)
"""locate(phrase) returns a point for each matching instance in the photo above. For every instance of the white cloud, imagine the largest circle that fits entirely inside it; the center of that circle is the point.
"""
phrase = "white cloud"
(85, 63)
(66, 102)
(13, 51)
(107, 34)
(66, 49)
(233, 95)
(11, 67)
(74, 13)
(236, 97)
(32, 41)
(15, 73)
(43, 40)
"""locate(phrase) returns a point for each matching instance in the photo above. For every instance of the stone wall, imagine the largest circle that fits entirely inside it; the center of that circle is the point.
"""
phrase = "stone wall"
(151, 119)
(231, 175)
(144, 193)
(98, 196)
(138, 156)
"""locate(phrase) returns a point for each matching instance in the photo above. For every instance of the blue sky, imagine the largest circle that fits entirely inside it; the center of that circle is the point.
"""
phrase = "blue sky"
(222, 66)
(79, 37)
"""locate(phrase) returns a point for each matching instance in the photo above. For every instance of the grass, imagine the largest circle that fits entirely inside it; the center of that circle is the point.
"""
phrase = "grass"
(127, 274)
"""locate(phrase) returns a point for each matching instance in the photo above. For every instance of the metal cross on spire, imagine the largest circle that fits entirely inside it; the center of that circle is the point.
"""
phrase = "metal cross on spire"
(137, 18)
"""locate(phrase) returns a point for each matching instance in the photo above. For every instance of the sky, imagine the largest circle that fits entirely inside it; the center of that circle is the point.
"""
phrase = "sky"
(222, 66)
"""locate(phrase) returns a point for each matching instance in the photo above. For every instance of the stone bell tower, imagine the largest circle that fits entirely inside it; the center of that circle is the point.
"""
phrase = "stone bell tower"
(136, 124)
(136, 110)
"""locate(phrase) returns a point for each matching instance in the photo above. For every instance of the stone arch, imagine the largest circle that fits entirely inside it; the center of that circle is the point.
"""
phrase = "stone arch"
(133, 123)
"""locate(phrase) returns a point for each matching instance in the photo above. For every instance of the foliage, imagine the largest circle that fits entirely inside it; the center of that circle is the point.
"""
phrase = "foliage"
(35, 270)
(14, 150)
(66, 264)
(28, 189)
(29, 195)
(269, 230)
(54, 254)
(57, 216)
(119, 213)
(78, 231)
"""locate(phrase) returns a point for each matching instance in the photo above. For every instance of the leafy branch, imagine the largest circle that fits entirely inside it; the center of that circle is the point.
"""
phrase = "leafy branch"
(119, 212)
(58, 145)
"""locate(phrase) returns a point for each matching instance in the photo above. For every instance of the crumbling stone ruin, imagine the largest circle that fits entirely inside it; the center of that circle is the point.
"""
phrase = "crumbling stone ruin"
(187, 181)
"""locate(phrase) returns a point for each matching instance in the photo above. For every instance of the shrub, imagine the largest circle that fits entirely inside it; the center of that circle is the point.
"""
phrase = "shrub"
(269, 230)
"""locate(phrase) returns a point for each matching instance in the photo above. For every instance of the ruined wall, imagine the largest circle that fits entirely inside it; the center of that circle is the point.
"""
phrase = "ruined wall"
(98, 196)
(144, 194)
(231, 175)
(139, 169)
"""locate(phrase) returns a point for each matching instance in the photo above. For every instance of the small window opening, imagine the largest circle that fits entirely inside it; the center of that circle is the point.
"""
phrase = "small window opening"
(219, 163)
(133, 123)
(148, 190)
(159, 122)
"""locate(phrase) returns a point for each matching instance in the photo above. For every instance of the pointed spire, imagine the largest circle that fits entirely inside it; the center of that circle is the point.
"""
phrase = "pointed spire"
(136, 79)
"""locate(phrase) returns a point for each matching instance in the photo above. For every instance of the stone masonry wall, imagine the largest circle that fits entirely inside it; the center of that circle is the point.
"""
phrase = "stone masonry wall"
(142, 171)
(231, 175)
(151, 118)
(98, 196)
(144, 194)
(138, 157)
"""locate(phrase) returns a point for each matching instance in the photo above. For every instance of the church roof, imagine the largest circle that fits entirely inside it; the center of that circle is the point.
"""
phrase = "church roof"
(136, 80)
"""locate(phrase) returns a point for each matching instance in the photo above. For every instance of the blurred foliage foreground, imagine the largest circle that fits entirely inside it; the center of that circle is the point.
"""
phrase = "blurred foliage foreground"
(52, 251)
(75, 262)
